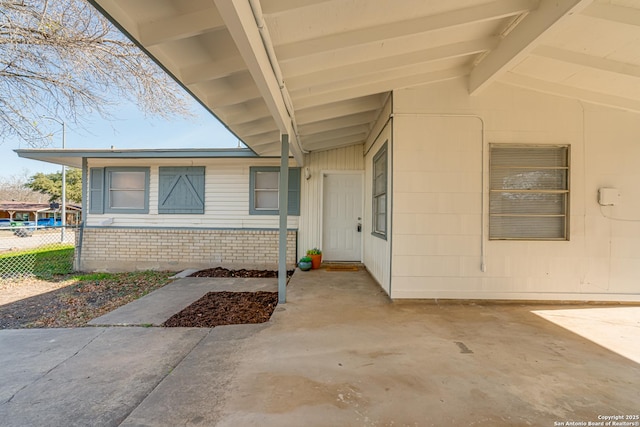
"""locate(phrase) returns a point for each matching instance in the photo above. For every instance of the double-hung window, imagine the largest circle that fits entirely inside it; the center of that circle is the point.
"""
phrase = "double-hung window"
(529, 192)
(119, 190)
(380, 192)
(264, 183)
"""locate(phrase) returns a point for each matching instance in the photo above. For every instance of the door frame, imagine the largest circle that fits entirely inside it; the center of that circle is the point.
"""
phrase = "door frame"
(322, 190)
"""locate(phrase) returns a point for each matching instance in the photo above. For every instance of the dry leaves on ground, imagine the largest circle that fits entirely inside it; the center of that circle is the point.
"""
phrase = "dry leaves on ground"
(80, 299)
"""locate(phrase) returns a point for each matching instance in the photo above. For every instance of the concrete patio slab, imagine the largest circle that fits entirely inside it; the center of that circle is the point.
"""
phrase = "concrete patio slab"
(339, 353)
(161, 304)
(85, 377)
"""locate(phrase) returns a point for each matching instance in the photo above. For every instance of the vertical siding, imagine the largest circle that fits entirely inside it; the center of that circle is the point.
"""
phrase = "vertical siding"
(341, 159)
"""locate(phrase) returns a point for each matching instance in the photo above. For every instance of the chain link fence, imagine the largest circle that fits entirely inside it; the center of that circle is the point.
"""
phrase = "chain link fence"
(28, 251)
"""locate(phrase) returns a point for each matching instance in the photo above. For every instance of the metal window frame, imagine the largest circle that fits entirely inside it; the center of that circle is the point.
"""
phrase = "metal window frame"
(383, 151)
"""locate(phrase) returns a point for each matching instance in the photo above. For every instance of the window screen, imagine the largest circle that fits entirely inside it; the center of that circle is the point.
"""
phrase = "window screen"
(529, 192)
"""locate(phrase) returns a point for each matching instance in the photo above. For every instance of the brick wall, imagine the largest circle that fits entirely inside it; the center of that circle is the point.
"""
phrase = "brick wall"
(129, 249)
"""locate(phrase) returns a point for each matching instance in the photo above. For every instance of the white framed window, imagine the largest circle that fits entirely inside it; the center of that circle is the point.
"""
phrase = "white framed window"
(529, 192)
(264, 184)
(379, 190)
(265, 191)
(119, 190)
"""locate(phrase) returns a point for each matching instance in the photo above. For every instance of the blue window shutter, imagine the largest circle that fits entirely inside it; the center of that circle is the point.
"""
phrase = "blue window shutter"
(294, 192)
(181, 190)
(96, 191)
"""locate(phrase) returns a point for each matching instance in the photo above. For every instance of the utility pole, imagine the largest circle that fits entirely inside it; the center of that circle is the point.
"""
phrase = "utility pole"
(63, 220)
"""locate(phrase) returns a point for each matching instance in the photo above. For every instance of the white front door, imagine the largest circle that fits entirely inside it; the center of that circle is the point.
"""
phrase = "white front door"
(342, 217)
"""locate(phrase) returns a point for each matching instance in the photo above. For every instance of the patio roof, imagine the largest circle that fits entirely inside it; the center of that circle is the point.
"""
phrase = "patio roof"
(73, 158)
(321, 70)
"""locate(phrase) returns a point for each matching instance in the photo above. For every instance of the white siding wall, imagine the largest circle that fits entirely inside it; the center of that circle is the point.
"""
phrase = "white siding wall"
(226, 196)
(437, 204)
(341, 159)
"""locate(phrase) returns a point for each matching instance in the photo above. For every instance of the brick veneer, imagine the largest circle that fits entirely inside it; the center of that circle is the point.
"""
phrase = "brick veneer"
(128, 249)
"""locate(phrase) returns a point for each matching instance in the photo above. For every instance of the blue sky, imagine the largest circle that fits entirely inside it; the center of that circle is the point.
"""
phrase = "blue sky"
(129, 129)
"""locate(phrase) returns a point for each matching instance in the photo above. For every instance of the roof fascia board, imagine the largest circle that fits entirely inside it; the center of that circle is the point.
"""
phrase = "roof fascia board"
(549, 16)
(146, 154)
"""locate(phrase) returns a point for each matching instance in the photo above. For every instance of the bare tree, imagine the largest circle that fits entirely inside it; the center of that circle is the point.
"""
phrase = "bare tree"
(63, 59)
(13, 188)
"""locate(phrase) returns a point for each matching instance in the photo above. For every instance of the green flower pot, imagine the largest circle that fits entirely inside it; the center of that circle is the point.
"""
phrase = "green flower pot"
(304, 265)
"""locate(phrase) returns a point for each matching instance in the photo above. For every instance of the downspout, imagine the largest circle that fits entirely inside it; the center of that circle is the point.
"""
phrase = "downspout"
(483, 266)
(273, 60)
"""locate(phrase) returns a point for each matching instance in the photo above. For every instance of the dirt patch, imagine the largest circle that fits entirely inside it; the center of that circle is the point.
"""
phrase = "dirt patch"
(226, 308)
(72, 301)
(223, 272)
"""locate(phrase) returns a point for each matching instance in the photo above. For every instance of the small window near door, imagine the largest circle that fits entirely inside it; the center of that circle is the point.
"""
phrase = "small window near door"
(264, 184)
(380, 193)
(529, 192)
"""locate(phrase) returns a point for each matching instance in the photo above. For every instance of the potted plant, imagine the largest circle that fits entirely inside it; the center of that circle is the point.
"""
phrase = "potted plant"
(316, 257)
(305, 263)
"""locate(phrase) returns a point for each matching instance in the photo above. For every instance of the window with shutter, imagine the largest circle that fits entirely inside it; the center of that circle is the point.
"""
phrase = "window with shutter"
(529, 192)
(119, 190)
(181, 190)
(264, 182)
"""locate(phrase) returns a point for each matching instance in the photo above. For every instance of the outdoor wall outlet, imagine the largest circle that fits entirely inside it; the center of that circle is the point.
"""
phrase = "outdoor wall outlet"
(608, 196)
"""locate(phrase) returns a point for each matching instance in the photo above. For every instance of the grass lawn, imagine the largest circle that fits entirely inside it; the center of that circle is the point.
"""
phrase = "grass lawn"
(42, 262)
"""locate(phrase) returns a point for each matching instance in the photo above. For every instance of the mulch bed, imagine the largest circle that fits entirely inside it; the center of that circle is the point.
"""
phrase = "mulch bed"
(223, 272)
(226, 308)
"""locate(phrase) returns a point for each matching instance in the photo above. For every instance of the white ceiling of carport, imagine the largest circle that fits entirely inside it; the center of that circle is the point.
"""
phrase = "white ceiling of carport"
(339, 59)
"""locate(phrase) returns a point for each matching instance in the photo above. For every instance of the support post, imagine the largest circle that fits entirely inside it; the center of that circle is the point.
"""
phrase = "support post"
(283, 203)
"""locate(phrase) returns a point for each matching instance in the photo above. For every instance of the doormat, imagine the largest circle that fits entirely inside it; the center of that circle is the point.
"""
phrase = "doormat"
(342, 268)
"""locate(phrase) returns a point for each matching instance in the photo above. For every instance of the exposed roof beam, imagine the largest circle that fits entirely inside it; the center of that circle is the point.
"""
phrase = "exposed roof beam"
(256, 127)
(243, 113)
(179, 27)
(483, 12)
(326, 125)
(230, 90)
(350, 89)
(392, 62)
(336, 143)
(361, 130)
(522, 39)
(609, 12)
(339, 109)
(211, 70)
(276, 6)
(590, 61)
(241, 24)
(585, 95)
(264, 139)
